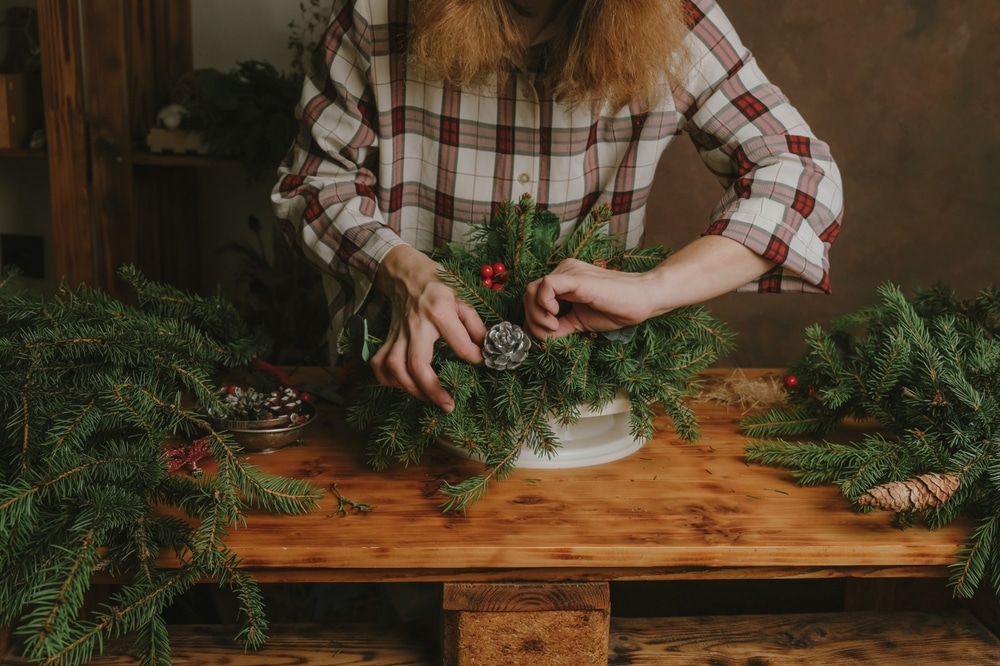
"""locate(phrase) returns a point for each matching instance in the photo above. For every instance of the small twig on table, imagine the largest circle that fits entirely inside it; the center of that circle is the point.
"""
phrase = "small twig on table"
(344, 504)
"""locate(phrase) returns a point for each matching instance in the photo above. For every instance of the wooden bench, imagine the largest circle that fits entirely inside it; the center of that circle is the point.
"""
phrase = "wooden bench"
(861, 638)
(525, 575)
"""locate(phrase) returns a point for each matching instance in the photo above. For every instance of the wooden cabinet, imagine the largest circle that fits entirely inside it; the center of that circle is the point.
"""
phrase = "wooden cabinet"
(107, 66)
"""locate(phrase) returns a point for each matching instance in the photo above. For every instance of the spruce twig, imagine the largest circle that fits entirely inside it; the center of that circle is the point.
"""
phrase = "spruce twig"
(926, 370)
(89, 396)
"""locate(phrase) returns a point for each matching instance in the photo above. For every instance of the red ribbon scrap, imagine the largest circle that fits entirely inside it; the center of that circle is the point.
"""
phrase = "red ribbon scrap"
(188, 455)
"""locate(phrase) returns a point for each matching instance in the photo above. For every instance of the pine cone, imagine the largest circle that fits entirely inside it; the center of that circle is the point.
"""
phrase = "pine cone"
(506, 346)
(916, 494)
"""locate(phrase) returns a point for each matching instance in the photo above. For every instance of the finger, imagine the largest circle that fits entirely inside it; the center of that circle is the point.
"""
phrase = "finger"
(421, 373)
(538, 322)
(467, 339)
(396, 372)
(378, 360)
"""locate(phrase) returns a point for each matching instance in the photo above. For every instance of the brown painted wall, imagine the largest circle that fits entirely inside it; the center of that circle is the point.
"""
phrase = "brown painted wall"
(907, 94)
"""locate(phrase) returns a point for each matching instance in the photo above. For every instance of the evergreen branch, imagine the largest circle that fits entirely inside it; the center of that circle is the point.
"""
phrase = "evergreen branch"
(85, 412)
(580, 240)
(476, 300)
(88, 390)
(463, 495)
(783, 422)
(6, 507)
(979, 550)
(25, 432)
(85, 554)
(928, 371)
(79, 650)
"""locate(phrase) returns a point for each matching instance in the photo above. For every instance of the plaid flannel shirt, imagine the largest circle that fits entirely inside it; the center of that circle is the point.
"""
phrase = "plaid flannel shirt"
(383, 159)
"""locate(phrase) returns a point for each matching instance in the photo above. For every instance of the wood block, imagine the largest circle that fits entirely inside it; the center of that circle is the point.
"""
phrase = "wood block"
(525, 624)
(179, 142)
(20, 109)
(924, 639)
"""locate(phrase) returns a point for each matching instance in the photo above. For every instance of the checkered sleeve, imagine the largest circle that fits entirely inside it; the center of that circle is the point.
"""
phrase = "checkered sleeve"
(325, 200)
(784, 195)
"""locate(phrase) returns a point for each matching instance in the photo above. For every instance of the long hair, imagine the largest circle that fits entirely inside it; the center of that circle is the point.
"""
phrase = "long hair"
(614, 51)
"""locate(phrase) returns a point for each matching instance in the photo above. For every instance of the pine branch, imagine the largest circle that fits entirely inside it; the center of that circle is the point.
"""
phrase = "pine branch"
(89, 392)
(927, 371)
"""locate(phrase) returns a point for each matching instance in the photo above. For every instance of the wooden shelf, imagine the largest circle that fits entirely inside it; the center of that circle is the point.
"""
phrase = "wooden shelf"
(107, 65)
(22, 153)
(145, 158)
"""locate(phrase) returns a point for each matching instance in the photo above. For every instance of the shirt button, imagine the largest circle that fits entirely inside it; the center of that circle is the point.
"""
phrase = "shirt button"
(523, 178)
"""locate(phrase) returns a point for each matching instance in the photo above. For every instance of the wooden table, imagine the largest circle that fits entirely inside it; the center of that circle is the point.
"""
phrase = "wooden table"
(526, 572)
(546, 543)
(671, 510)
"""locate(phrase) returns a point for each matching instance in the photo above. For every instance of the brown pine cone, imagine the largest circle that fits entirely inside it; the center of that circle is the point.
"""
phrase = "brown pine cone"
(921, 492)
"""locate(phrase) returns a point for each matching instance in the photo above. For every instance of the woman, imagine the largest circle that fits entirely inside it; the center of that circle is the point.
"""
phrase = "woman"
(418, 117)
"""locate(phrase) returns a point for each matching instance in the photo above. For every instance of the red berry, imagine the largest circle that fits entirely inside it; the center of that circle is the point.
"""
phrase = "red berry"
(486, 271)
(499, 268)
(791, 381)
(305, 395)
(488, 282)
(501, 277)
(231, 389)
(600, 263)
(497, 286)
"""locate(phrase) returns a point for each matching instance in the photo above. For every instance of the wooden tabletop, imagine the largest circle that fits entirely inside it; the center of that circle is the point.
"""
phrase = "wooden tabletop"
(670, 510)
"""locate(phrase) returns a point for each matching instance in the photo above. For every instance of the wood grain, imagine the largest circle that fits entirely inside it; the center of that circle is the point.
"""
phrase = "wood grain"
(552, 638)
(670, 506)
(301, 644)
(66, 140)
(916, 639)
(107, 63)
(522, 597)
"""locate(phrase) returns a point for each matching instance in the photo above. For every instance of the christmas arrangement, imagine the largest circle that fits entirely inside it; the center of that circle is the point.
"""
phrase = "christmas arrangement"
(506, 404)
(93, 424)
(926, 371)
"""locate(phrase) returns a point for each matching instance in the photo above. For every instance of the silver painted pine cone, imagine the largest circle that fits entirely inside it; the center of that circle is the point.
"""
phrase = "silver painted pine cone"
(506, 346)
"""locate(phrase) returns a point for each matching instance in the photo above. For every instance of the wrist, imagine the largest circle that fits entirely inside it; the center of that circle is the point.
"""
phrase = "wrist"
(663, 292)
(402, 265)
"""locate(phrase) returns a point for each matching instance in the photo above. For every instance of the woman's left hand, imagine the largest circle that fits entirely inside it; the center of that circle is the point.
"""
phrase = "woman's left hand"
(596, 299)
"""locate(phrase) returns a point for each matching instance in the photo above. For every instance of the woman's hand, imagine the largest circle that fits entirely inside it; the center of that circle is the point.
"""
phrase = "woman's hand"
(424, 310)
(598, 299)
(595, 299)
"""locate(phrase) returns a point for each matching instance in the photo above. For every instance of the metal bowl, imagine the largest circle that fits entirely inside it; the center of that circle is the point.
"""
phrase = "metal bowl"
(267, 435)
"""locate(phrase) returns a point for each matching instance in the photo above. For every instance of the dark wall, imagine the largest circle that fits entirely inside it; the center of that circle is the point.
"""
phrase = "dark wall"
(907, 94)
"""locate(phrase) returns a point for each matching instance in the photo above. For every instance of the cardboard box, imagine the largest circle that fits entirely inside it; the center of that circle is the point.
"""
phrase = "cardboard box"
(20, 108)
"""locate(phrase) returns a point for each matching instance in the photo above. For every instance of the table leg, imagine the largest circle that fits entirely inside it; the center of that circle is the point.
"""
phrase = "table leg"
(525, 623)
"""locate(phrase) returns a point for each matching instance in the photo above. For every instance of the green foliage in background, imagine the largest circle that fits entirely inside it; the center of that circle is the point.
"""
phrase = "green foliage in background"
(247, 114)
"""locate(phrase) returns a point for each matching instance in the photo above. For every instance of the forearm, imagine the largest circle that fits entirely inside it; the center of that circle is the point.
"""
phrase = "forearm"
(707, 267)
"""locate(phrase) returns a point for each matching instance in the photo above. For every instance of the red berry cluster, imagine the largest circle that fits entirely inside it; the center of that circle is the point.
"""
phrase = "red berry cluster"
(602, 263)
(494, 275)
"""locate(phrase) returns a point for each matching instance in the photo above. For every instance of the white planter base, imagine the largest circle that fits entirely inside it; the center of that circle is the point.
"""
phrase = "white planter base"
(597, 438)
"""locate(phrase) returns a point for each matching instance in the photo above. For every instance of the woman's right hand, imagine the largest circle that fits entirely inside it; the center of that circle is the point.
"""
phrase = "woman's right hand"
(424, 310)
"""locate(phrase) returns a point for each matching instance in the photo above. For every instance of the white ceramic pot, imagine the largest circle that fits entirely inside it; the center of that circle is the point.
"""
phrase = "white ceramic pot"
(598, 437)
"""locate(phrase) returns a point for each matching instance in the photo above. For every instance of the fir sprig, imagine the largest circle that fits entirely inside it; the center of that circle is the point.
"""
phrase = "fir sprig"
(89, 395)
(926, 371)
(498, 413)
